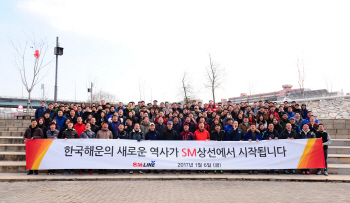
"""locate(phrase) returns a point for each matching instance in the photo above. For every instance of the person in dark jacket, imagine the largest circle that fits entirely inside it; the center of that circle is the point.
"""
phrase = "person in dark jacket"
(129, 125)
(289, 133)
(94, 127)
(217, 135)
(294, 125)
(136, 134)
(176, 125)
(169, 134)
(326, 139)
(52, 133)
(51, 111)
(160, 127)
(69, 133)
(234, 133)
(186, 134)
(152, 134)
(277, 126)
(284, 120)
(72, 116)
(304, 111)
(47, 120)
(270, 134)
(86, 113)
(33, 132)
(40, 111)
(87, 134)
(120, 134)
(41, 125)
(306, 134)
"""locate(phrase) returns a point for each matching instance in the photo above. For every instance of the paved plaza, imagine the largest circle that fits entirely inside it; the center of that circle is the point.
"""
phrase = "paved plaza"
(174, 191)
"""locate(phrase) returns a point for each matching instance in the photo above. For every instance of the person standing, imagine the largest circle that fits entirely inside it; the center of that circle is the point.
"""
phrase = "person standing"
(60, 119)
(40, 111)
(120, 134)
(169, 134)
(152, 134)
(69, 133)
(79, 126)
(33, 132)
(202, 135)
(306, 134)
(250, 135)
(52, 133)
(104, 133)
(87, 134)
(326, 139)
(136, 134)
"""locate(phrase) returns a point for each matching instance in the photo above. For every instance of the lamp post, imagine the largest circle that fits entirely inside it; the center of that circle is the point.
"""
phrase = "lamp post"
(58, 51)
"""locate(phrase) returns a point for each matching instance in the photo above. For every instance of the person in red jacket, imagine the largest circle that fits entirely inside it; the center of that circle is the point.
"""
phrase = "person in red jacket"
(201, 133)
(275, 114)
(206, 126)
(79, 126)
(161, 114)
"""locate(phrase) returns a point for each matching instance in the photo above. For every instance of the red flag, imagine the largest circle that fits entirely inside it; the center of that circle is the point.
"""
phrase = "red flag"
(36, 55)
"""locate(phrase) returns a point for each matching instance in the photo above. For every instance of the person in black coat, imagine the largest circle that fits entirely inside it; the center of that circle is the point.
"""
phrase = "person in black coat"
(326, 139)
(217, 134)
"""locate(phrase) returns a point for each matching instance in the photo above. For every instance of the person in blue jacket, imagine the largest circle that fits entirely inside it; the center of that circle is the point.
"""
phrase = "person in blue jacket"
(40, 111)
(113, 126)
(252, 134)
(304, 111)
(233, 133)
(60, 119)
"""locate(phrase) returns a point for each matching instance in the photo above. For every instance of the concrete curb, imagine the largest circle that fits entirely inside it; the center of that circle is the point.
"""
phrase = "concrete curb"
(16, 177)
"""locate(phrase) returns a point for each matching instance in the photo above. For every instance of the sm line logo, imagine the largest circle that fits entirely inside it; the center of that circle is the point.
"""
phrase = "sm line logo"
(152, 164)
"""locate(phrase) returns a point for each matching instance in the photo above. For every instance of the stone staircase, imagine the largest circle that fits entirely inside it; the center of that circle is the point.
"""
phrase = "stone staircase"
(12, 148)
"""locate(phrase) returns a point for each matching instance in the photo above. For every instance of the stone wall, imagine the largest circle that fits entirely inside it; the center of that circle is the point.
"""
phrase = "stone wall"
(330, 108)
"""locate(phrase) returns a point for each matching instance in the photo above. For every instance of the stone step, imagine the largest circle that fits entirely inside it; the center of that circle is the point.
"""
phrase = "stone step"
(13, 166)
(11, 133)
(11, 140)
(339, 150)
(340, 169)
(340, 142)
(17, 129)
(12, 156)
(14, 124)
(12, 147)
(340, 136)
(20, 167)
(339, 158)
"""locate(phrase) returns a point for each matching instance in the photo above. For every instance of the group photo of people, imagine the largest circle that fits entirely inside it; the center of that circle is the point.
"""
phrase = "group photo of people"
(250, 122)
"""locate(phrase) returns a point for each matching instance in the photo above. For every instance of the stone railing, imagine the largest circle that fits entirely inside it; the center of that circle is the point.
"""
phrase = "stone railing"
(330, 108)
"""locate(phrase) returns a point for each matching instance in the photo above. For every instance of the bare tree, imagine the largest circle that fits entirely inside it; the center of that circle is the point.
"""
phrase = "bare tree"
(186, 90)
(30, 62)
(301, 76)
(215, 77)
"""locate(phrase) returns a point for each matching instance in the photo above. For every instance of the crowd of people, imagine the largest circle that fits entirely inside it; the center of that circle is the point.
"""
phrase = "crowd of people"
(174, 121)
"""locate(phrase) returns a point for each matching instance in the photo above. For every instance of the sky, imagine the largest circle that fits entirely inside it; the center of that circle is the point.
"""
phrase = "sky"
(125, 45)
